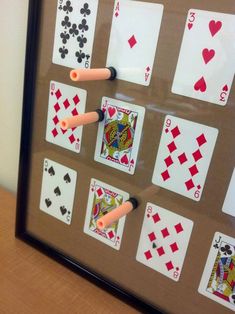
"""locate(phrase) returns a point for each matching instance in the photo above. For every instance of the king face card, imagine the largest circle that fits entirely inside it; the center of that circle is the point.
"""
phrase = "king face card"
(133, 39)
(102, 199)
(58, 190)
(218, 279)
(163, 241)
(119, 134)
(206, 63)
(64, 101)
(184, 156)
(74, 33)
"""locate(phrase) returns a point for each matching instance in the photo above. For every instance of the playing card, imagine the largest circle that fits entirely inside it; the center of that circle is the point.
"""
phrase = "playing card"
(229, 202)
(74, 33)
(206, 63)
(64, 101)
(133, 39)
(184, 156)
(163, 241)
(218, 279)
(102, 199)
(58, 190)
(119, 134)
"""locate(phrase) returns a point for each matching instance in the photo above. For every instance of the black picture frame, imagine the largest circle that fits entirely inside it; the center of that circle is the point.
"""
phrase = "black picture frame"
(34, 17)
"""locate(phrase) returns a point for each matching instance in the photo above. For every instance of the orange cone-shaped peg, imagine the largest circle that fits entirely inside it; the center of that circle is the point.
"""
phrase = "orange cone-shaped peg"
(116, 214)
(80, 75)
(82, 119)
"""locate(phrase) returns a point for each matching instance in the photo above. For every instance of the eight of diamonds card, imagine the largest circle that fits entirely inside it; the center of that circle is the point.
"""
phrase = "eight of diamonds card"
(133, 39)
(74, 33)
(206, 63)
(102, 199)
(218, 279)
(184, 156)
(163, 241)
(64, 101)
(119, 134)
(58, 190)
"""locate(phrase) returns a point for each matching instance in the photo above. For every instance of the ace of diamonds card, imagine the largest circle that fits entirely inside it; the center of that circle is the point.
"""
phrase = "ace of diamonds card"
(218, 279)
(184, 156)
(74, 33)
(58, 190)
(206, 63)
(65, 101)
(119, 134)
(102, 199)
(163, 241)
(133, 39)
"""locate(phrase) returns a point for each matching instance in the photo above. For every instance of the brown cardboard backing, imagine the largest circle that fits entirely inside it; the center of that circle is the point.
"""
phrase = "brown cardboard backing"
(120, 266)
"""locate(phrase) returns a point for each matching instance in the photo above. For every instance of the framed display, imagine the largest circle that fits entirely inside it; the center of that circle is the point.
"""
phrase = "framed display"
(163, 126)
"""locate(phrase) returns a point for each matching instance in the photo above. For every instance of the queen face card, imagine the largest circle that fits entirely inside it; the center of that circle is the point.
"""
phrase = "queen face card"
(133, 39)
(58, 190)
(102, 199)
(74, 33)
(218, 279)
(64, 101)
(206, 63)
(229, 202)
(119, 134)
(163, 241)
(184, 156)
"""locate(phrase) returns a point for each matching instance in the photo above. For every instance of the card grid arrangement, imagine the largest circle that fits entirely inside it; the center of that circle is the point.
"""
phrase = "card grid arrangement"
(186, 147)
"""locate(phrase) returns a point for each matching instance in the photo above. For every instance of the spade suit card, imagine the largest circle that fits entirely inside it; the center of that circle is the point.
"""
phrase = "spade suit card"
(184, 156)
(206, 63)
(58, 190)
(133, 39)
(102, 199)
(119, 134)
(229, 201)
(74, 33)
(164, 241)
(218, 279)
(64, 101)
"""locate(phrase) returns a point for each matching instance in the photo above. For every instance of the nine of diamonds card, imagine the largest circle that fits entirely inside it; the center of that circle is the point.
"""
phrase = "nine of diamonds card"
(184, 156)
(74, 33)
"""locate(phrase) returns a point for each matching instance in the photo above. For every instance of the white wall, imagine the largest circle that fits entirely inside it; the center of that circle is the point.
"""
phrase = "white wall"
(13, 25)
